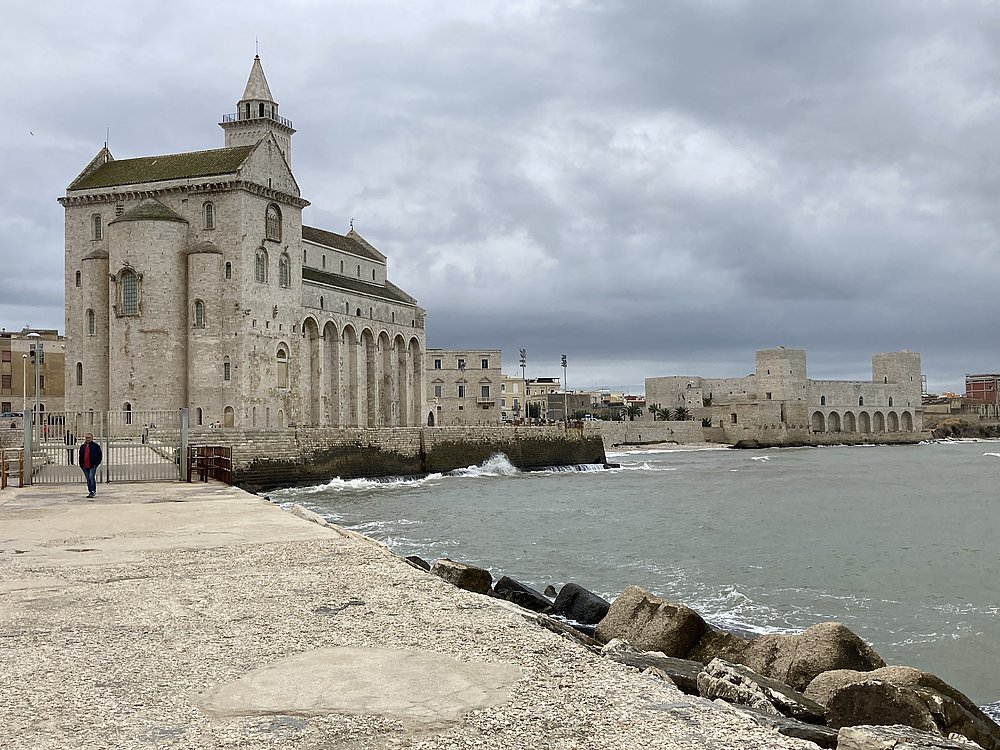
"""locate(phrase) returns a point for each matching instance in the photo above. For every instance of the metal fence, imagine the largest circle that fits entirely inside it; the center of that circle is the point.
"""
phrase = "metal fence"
(137, 446)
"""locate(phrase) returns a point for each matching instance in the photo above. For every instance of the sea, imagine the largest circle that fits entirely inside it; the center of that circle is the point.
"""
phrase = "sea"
(899, 543)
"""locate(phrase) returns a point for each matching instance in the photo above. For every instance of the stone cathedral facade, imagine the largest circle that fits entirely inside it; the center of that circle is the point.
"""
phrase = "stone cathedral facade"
(191, 281)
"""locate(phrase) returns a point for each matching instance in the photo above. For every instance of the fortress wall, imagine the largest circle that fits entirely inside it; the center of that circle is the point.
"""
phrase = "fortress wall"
(266, 459)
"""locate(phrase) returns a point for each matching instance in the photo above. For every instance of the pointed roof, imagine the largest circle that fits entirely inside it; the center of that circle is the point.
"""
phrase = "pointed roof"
(157, 168)
(257, 88)
(150, 210)
(352, 242)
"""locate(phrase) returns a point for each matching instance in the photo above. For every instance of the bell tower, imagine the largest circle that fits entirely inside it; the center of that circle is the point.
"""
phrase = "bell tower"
(257, 115)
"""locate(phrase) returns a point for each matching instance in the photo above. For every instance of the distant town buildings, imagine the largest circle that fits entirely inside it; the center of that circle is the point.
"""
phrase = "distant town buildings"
(17, 372)
(464, 387)
(983, 388)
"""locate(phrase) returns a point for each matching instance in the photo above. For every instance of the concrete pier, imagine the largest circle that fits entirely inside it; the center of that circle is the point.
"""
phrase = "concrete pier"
(170, 615)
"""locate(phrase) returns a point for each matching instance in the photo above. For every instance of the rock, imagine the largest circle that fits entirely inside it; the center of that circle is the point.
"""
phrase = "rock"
(879, 702)
(895, 738)
(737, 684)
(524, 596)
(682, 672)
(550, 591)
(616, 646)
(650, 623)
(953, 712)
(418, 562)
(468, 577)
(569, 631)
(800, 730)
(576, 603)
(792, 659)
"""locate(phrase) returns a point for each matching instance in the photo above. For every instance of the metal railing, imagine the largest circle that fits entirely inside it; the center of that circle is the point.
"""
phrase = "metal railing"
(210, 462)
(235, 117)
(11, 465)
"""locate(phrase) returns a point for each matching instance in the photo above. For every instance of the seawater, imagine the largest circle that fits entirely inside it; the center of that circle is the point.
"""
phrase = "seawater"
(899, 543)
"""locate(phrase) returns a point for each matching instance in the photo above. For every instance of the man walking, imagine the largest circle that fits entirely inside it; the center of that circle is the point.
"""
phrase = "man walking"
(90, 459)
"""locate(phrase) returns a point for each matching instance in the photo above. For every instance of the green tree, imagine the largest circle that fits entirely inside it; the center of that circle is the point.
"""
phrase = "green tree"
(682, 413)
(631, 411)
(654, 409)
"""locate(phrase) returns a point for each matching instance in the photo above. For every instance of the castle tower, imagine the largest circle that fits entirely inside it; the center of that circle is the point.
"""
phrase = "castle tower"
(257, 115)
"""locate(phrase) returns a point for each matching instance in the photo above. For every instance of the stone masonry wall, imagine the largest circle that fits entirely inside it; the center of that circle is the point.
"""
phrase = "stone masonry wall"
(266, 459)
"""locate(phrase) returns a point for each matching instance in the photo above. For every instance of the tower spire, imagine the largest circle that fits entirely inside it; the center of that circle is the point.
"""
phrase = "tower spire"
(257, 113)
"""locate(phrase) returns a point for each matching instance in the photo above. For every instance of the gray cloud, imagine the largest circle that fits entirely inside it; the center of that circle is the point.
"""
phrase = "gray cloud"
(651, 188)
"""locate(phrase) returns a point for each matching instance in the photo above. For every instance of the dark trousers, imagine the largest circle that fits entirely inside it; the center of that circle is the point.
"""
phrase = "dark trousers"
(91, 475)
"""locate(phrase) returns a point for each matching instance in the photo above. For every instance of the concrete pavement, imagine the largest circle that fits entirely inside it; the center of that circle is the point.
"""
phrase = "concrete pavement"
(171, 615)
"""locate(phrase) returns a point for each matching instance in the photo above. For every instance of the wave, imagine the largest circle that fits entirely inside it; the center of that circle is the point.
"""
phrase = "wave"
(992, 454)
(497, 465)
(344, 485)
(572, 467)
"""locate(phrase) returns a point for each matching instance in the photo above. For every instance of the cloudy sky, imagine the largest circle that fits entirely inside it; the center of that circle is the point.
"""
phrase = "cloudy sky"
(652, 188)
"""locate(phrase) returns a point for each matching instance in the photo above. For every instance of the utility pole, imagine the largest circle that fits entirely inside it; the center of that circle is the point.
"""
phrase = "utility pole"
(524, 383)
(565, 392)
(37, 357)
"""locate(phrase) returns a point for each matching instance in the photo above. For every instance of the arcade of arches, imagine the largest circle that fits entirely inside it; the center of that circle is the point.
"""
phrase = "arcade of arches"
(864, 422)
(360, 378)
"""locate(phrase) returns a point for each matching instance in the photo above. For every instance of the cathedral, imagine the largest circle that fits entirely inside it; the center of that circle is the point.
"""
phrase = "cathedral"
(191, 281)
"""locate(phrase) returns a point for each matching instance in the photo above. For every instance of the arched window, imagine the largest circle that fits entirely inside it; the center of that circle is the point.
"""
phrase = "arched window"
(200, 416)
(373, 274)
(229, 270)
(260, 266)
(822, 400)
(78, 284)
(199, 314)
(127, 408)
(371, 312)
(359, 270)
(98, 233)
(79, 373)
(284, 271)
(209, 216)
(358, 312)
(128, 290)
(91, 323)
(861, 400)
(226, 369)
(321, 303)
(890, 400)
(261, 109)
(341, 266)
(272, 223)
(282, 368)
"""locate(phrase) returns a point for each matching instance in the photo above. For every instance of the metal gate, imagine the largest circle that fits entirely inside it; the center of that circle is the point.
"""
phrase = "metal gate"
(137, 445)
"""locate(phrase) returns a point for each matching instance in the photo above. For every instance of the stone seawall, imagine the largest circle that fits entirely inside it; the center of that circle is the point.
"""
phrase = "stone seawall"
(265, 459)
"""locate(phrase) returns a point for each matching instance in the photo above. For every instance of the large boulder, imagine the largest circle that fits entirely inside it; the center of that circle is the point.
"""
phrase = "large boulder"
(576, 603)
(879, 702)
(650, 623)
(524, 596)
(468, 577)
(737, 684)
(792, 659)
(682, 672)
(801, 730)
(895, 738)
(952, 711)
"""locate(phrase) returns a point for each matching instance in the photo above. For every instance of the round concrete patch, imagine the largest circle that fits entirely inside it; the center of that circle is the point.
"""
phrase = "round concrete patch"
(402, 684)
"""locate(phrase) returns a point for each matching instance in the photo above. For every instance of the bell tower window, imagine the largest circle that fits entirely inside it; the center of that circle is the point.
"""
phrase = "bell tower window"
(272, 223)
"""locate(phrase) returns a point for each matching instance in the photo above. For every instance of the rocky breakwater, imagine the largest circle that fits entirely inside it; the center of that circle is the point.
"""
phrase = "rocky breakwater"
(824, 685)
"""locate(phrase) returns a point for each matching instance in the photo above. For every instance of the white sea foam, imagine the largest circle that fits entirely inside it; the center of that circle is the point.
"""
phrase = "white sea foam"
(497, 465)
(992, 454)
(760, 458)
(353, 485)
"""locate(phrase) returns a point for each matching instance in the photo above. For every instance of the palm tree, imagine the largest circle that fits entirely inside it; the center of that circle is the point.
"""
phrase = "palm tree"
(632, 411)
(654, 409)
(666, 415)
(682, 413)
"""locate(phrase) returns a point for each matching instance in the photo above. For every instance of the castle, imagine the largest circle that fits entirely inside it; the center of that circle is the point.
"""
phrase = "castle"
(779, 405)
(191, 281)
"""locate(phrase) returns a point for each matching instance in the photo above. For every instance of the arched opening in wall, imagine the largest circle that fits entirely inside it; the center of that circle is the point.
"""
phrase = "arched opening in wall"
(253, 416)
(272, 223)
(198, 416)
(199, 314)
(833, 422)
(128, 292)
(351, 377)
(430, 419)
(892, 422)
(98, 227)
(79, 373)
(322, 304)
(209, 215)
(817, 422)
(260, 266)
(371, 383)
(358, 312)
(267, 416)
(415, 383)
(91, 323)
(127, 408)
(890, 400)
(401, 382)
(281, 361)
(78, 280)
(878, 422)
(229, 270)
(331, 363)
(312, 370)
(864, 423)
(861, 400)
(284, 271)
(229, 417)
(822, 400)
(227, 369)
(281, 417)
(385, 378)
(907, 422)
(850, 423)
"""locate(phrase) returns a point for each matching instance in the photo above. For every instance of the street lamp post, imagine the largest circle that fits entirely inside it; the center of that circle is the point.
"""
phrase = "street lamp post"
(24, 385)
(37, 356)
(565, 392)
(524, 384)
